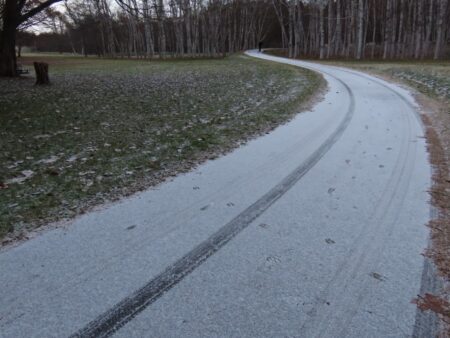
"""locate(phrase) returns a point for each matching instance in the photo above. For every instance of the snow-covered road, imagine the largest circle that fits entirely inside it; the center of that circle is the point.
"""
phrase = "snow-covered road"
(314, 230)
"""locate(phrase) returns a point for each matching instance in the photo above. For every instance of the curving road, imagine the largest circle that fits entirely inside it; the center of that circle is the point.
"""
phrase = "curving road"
(315, 230)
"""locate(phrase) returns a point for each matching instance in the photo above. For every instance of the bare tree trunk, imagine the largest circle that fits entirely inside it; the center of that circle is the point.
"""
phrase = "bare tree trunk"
(8, 62)
(331, 32)
(187, 22)
(419, 29)
(399, 49)
(322, 33)
(360, 34)
(291, 10)
(440, 28)
(351, 29)
(374, 30)
(413, 30)
(297, 29)
(149, 45)
(279, 14)
(161, 30)
(388, 29)
(195, 28)
(338, 33)
(392, 38)
(12, 15)
(41, 70)
(429, 26)
(409, 28)
(110, 31)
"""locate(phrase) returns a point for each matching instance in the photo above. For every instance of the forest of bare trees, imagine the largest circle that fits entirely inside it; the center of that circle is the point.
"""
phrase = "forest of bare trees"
(387, 29)
(145, 28)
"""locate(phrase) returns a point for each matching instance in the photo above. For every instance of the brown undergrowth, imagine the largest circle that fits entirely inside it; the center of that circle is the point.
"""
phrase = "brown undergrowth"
(436, 120)
(434, 303)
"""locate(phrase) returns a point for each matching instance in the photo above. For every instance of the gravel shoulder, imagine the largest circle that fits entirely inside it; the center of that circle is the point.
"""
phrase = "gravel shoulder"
(106, 129)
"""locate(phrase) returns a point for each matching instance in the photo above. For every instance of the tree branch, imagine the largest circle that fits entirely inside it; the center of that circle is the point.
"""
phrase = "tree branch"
(24, 17)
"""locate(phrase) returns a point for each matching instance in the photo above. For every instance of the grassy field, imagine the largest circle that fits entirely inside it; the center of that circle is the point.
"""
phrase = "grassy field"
(108, 128)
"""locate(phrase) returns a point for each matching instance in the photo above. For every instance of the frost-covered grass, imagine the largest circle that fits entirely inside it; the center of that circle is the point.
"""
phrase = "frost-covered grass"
(429, 77)
(108, 128)
(432, 78)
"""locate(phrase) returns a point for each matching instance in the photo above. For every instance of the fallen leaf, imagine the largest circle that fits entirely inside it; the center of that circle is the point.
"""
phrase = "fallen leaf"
(26, 174)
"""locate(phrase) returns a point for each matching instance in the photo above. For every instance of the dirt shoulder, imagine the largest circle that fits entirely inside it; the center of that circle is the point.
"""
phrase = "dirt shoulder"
(436, 121)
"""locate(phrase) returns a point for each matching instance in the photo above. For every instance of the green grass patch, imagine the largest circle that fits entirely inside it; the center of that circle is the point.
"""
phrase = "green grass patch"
(108, 128)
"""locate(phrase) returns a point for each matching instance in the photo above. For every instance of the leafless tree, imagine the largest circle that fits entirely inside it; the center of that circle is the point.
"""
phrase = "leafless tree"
(13, 14)
(306, 28)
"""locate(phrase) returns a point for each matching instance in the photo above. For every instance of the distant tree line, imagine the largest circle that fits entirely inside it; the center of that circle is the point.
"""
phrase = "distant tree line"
(388, 29)
(149, 28)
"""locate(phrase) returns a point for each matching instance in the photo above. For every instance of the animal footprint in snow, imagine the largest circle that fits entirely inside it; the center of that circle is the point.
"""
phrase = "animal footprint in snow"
(273, 259)
(269, 263)
(377, 276)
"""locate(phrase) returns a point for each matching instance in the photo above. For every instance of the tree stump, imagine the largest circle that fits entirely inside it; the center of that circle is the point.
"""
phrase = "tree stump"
(41, 69)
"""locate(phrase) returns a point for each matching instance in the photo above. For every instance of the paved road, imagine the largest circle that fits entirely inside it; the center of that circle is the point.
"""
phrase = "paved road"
(315, 230)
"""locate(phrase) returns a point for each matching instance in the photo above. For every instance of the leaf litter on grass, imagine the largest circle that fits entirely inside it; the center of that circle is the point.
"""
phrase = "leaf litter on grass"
(107, 128)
